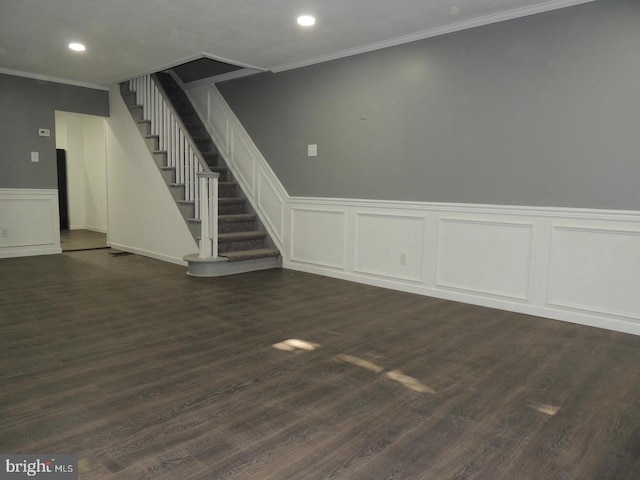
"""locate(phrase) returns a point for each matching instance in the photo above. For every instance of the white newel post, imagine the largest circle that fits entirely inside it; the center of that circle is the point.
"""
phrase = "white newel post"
(208, 182)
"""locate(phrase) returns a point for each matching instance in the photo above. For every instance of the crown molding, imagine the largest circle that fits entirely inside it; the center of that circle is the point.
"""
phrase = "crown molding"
(434, 32)
(47, 78)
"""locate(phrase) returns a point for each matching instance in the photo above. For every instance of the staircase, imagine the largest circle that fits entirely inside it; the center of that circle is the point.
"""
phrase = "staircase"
(243, 244)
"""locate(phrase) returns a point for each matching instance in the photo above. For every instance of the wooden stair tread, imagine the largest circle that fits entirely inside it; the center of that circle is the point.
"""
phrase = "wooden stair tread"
(251, 254)
(239, 217)
(236, 217)
(239, 236)
(230, 218)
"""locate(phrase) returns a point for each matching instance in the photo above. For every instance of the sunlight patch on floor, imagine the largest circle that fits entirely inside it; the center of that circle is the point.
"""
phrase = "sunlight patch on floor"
(294, 344)
(396, 375)
(360, 363)
(546, 409)
(409, 382)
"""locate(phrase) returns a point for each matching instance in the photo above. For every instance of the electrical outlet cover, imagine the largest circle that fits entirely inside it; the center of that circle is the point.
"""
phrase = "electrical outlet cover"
(312, 150)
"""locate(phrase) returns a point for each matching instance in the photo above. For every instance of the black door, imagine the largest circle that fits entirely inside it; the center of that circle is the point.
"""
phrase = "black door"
(63, 203)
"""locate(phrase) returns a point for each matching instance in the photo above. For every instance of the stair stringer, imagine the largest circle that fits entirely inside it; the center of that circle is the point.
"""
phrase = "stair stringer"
(262, 188)
(143, 217)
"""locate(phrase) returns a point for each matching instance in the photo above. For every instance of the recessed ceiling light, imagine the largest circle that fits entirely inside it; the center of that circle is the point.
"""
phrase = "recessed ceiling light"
(306, 20)
(77, 47)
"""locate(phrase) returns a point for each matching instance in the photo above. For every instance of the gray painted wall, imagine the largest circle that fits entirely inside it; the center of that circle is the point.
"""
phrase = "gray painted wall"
(27, 105)
(543, 110)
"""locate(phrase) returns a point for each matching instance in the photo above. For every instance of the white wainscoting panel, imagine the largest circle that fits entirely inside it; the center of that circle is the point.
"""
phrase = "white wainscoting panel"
(390, 246)
(242, 163)
(595, 270)
(484, 257)
(318, 237)
(218, 118)
(30, 219)
(501, 256)
(271, 204)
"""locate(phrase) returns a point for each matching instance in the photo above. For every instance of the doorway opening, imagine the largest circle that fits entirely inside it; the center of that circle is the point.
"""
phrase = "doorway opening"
(81, 171)
(75, 240)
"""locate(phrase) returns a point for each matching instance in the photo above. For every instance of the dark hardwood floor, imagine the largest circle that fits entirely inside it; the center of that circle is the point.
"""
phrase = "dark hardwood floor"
(147, 373)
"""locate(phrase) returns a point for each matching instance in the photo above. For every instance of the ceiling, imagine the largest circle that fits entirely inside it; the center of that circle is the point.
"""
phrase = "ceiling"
(126, 38)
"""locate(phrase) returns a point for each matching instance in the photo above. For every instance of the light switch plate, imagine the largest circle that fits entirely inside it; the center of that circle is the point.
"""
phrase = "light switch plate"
(312, 150)
(35, 157)
(44, 132)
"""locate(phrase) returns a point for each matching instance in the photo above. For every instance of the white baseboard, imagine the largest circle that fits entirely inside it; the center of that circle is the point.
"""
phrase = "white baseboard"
(29, 251)
(581, 318)
(146, 253)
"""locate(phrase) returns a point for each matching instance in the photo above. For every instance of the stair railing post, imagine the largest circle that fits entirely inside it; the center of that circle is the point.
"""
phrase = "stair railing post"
(208, 214)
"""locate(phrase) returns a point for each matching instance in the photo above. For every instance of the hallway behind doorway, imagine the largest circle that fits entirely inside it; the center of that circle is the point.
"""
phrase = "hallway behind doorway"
(71, 240)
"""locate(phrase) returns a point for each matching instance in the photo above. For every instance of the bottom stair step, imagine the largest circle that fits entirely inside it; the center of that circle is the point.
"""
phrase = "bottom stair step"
(232, 263)
(240, 241)
(250, 254)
